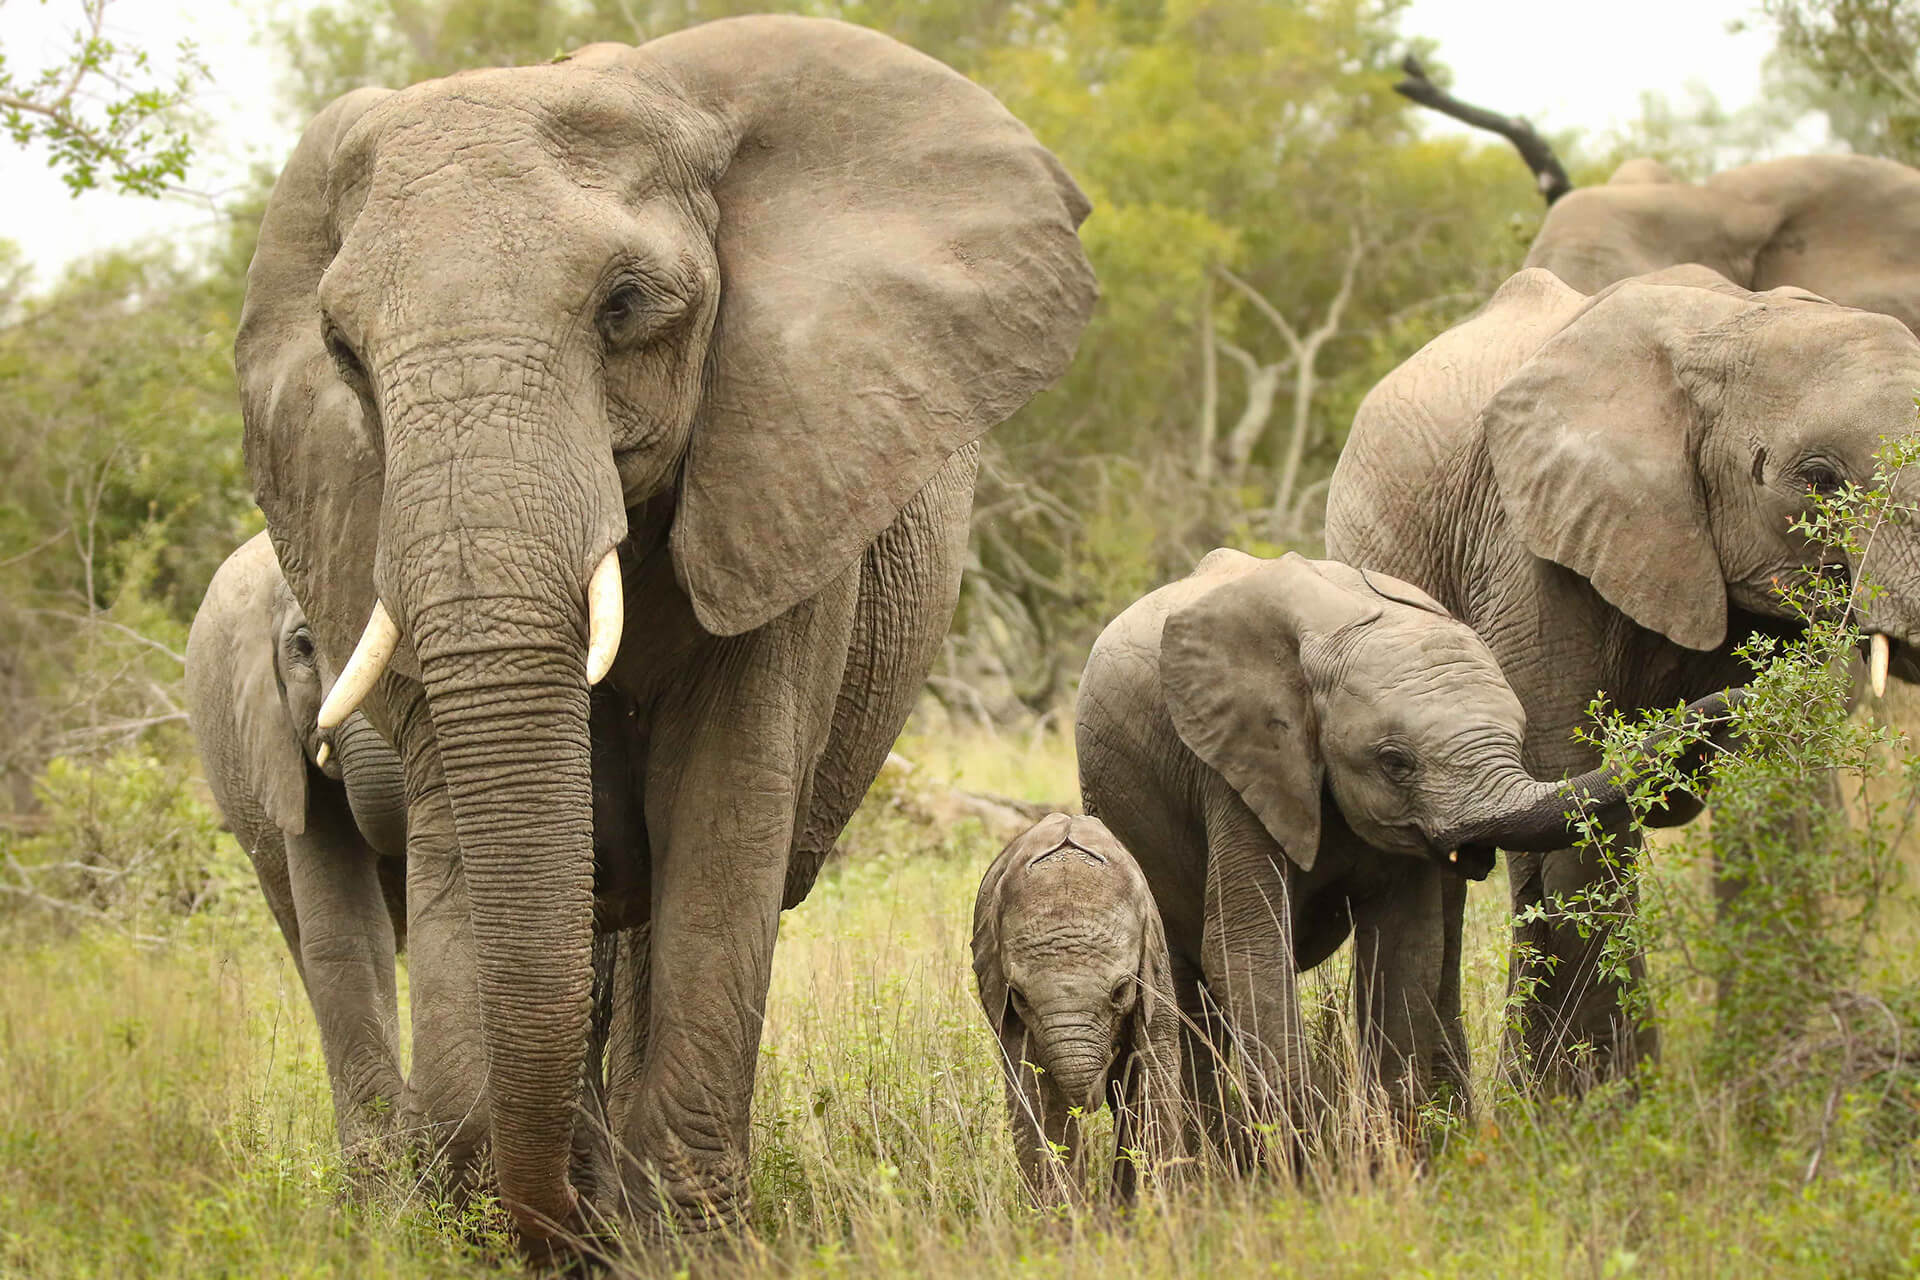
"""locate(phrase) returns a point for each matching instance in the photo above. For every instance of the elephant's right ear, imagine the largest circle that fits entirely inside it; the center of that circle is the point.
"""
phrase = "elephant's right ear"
(309, 454)
(1594, 446)
(989, 970)
(273, 758)
(1239, 698)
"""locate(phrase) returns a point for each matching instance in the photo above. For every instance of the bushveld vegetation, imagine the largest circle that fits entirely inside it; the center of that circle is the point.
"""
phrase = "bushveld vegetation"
(1274, 234)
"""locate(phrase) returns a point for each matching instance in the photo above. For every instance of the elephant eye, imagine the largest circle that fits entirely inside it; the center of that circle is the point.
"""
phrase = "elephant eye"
(1395, 761)
(1125, 988)
(1019, 999)
(1820, 477)
(345, 361)
(301, 644)
(621, 316)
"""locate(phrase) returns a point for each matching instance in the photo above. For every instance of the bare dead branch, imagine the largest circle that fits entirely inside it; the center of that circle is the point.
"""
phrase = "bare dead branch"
(1548, 174)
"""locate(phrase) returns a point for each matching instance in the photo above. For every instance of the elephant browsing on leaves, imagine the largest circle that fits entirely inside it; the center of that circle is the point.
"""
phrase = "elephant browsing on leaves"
(1297, 751)
(1606, 488)
(1072, 969)
(665, 365)
(1844, 227)
(322, 818)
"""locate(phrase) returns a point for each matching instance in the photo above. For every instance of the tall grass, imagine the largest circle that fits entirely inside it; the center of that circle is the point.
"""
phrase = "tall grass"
(164, 1112)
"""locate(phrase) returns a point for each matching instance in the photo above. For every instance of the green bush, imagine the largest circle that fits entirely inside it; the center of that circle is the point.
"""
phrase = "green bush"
(1774, 931)
(121, 840)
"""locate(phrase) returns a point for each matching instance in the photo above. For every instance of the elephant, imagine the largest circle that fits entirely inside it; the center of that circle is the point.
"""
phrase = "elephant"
(690, 344)
(1844, 227)
(1298, 751)
(1605, 488)
(323, 819)
(1073, 974)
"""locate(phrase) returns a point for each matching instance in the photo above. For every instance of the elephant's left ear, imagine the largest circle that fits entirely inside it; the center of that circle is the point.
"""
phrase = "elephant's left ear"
(276, 762)
(1594, 443)
(900, 271)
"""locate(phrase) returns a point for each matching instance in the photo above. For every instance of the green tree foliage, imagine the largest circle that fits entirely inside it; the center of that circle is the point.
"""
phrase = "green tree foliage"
(103, 110)
(1858, 61)
(123, 490)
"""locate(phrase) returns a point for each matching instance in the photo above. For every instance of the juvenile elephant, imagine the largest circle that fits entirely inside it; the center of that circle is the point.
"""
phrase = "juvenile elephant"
(1072, 969)
(690, 343)
(1844, 227)
(1297, 751)
(325, 839)
(1604, 488)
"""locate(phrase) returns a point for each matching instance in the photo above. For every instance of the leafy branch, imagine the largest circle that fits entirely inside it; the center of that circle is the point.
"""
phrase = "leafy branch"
(103, 111)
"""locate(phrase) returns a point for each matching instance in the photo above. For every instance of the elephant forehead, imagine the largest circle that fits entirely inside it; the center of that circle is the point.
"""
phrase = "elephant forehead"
(1423, 657)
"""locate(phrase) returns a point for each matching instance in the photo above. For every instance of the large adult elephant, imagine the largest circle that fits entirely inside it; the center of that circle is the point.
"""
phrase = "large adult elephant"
(1845, 227)
(689, 344)
(1604, 487)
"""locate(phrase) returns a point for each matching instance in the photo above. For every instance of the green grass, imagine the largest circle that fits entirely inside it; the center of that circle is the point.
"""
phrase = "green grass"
(163, 1112)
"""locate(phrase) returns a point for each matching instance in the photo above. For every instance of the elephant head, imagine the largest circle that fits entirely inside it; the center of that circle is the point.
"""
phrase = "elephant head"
(1300, 676)
(1845, 227)
(1073, 972)
(734, 295)
(1665, 440)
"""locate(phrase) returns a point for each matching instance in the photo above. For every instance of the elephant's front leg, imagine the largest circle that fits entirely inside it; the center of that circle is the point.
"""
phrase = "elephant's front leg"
(1247, 954)
(1574, 1027)
(1046, 1131)
(347, 961)
(733, 747)
(1400, 956)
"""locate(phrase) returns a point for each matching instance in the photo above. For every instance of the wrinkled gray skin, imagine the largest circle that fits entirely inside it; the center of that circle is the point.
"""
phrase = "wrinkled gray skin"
(1844, 227)
(1295, 752)
(1073, 975)
(738, 303)
(324, 841)
(1603, 488)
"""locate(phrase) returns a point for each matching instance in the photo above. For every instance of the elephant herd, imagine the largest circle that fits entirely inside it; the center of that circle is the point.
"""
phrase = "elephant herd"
(615, 422)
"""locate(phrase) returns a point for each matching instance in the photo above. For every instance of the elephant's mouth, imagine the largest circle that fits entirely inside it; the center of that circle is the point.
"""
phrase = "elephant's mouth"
(1472, 861)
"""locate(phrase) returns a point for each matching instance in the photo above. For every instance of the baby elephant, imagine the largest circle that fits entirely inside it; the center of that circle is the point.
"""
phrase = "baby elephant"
(1297, 751)
(325, 830)
(1072, 969)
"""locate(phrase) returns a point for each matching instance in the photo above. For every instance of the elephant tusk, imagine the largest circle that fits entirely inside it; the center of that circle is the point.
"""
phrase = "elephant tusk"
(1879, 653)
(606, 611)
(370, 658)
(321, 756)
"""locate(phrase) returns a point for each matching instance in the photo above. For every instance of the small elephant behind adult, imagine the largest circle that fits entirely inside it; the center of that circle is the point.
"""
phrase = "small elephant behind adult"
(322, 820)
(1296, 752)
(1072, 969)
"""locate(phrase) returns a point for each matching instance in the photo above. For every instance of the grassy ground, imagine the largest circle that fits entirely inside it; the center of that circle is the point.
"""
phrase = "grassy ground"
(163, 1112)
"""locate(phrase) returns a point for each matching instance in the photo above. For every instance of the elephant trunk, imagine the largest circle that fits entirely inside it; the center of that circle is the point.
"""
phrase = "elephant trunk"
(376, 785)
(501, 500)
(507, 691)
(1531, 816)
(1078, 1057)
(1527, 815)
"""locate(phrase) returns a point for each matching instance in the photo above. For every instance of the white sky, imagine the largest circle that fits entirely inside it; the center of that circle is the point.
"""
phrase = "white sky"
(1546, 59)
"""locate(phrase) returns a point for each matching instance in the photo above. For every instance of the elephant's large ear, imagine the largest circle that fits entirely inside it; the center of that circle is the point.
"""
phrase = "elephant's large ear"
(900, 271)
(1594, 446)
(1239, 697)
(313, 464)
(276, 763)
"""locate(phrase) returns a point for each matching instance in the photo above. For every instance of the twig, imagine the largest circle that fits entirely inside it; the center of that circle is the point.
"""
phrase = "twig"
(1548, 174)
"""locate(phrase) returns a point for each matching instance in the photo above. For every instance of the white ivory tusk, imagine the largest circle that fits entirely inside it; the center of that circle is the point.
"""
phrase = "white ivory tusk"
(370, 658)
(1454, 856)
(321, 756)
(606, 611)
(1879, 653)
